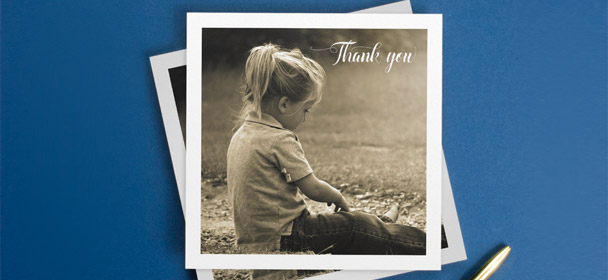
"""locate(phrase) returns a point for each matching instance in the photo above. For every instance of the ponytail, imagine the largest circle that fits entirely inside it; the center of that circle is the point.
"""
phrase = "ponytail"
(258, 73)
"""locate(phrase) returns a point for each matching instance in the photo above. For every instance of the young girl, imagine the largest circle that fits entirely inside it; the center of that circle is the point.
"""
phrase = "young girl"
(268, 171)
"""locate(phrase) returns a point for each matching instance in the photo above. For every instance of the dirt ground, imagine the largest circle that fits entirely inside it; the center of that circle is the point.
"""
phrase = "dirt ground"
(218, 229)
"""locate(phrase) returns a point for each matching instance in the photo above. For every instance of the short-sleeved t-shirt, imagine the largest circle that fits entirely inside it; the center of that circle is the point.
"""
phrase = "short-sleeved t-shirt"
(264, 159)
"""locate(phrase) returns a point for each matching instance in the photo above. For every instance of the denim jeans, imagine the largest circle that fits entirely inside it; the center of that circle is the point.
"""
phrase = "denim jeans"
(353, 233)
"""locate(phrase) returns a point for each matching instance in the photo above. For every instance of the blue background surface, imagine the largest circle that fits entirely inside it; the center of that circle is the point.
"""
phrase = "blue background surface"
(87, 187)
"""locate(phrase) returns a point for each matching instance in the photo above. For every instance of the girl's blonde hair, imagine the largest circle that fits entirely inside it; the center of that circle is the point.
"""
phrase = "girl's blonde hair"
(271, 72)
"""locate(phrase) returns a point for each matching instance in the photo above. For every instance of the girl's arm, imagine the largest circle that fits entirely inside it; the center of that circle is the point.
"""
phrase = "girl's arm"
(321, 191)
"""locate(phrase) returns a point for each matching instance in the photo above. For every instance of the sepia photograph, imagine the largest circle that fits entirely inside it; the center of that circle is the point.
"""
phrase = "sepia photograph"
(355, 124)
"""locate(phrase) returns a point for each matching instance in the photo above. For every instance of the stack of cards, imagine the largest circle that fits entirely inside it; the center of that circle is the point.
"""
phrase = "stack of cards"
(375, 134)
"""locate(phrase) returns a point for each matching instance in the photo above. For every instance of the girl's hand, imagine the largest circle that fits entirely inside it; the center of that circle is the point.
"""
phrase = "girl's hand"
(341, 205)
(321, 191)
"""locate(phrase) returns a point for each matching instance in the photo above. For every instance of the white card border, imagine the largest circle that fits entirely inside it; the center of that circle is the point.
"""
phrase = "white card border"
(196, 21)
(168, 108)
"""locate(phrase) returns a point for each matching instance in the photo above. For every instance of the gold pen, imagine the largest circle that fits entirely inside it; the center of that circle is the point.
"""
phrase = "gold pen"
(488, 269)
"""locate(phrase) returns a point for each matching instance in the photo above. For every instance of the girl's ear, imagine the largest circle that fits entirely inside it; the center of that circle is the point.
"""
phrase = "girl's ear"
(283, 103)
